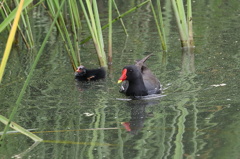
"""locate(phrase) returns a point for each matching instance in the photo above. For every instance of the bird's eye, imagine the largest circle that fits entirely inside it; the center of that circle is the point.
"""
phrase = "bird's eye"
(130, 70)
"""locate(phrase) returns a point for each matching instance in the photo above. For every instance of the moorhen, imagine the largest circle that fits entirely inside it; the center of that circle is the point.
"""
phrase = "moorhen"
(84, 74)
(138, 80)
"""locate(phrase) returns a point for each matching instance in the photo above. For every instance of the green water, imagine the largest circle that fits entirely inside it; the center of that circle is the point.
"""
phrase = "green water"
(199, 116)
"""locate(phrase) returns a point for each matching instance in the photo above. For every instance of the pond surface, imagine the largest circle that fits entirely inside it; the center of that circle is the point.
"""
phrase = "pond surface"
(198, 115)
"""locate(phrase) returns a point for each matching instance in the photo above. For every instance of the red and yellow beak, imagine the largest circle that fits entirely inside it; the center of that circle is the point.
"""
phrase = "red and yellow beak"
(124, 76)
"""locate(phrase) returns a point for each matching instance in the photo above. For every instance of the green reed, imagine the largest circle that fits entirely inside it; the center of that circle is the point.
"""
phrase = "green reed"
(159, 24)
(189, 19)
(124, 28)
(10, 40)
(19, 99)
(8, 17)
(71, 37)
(66, 36)
(118, 18)
(4, 62)
(184, 24)
(4, 12)
(94, 26)
(76, 26)
(26, 24)
(110, 32)
(19, 128)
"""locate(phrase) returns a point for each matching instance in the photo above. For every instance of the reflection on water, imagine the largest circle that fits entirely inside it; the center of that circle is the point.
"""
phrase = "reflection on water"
(22, 154)
(197, 118)
(138, 114)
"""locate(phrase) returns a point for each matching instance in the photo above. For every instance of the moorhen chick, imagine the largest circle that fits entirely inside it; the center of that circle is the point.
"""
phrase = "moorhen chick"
(139, 80)
(84, 74)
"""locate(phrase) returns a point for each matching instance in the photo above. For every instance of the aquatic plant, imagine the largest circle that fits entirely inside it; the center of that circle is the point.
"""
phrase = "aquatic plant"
(110, 32)
(93, 21)
(184, 23)
(6, 121)
(70, 16)
(159, 24)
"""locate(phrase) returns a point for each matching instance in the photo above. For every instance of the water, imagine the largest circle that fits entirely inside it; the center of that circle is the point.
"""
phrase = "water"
(197, 116)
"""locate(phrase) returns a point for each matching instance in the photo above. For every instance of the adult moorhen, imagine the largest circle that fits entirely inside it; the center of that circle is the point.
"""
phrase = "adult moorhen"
(84, 74)
(139, 80)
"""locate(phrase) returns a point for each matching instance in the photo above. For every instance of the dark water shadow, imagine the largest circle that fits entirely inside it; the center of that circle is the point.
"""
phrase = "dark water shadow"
(85, 85)
(138, 114)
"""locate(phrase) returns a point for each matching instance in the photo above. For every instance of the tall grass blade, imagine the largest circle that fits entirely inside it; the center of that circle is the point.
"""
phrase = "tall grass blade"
(27, 26)
(19, 99)
(161, 23)
(10, 40)
(78, 27)
(164, 46)
(91, 21)
(64, 32)
(189, 18)
(11, 16)
(116, 19)
(182, 16)
(183, 36)
(110, 32)
(124, 28)
(76, 14)
(25, 19)
(87, 19)
(4, 12)
(74, 23)
(184, 24)
(98, 25)
(99, 32)
(52, 12)
(17, 127)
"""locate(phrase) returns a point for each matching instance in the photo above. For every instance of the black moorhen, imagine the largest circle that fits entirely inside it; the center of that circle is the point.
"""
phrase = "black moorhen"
(83, 74)
(139, 80)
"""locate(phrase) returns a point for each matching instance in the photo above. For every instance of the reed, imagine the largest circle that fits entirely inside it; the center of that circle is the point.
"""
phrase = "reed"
(71, 41)
(76, 26)
(19, 99)
(6, 12)
(4, 7)
(110, 32)
(124, 28)
(118, 18)
(62, 28)
(52, 13)
(184, 24)
(26, 23)
(10, 40)
(20, 129)
(189, 19)
(94, 26)
(11, 16)
(159, 24)
(159, 11)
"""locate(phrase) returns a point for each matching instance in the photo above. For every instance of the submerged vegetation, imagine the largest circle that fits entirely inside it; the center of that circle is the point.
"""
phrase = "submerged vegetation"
(67, 17)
